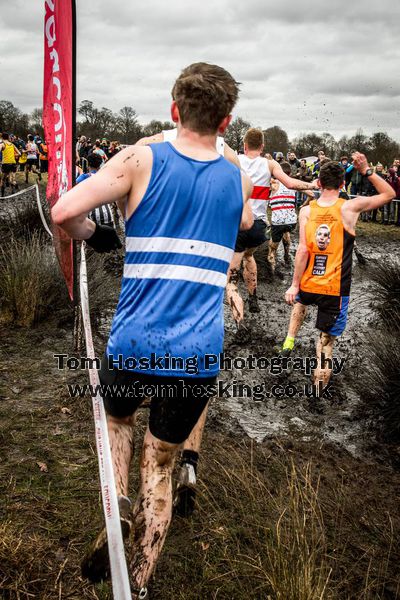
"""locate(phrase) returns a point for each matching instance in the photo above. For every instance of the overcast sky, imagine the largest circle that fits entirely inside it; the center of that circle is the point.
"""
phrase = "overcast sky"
(305, 66)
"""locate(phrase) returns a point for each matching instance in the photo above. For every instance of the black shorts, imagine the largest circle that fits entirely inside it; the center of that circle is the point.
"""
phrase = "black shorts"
(253, 237)
(277, 231)
(31, 162)
(8, 168)
(176, 402)
(332, 311)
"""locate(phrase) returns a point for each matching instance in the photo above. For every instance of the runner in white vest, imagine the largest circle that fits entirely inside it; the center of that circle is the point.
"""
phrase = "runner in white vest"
(260, 170)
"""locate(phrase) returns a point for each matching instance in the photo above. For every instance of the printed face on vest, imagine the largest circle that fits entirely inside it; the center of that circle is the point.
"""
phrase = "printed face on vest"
(323, 237)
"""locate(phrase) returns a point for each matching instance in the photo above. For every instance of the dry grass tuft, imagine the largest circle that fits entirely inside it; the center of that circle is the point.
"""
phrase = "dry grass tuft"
(31, 286)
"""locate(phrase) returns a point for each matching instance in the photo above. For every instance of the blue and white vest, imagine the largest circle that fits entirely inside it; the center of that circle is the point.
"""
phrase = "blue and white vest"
(179, 243)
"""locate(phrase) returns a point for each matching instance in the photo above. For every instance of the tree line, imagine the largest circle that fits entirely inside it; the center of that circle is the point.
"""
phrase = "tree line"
(124, 126)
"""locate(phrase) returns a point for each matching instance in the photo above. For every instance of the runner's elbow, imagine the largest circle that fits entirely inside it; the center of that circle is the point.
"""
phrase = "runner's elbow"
(59, 214)
(246, 222)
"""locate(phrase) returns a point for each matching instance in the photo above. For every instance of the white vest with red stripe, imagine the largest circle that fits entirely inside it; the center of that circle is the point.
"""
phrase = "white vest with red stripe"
(170, 135)
(258, 171)
(283, 206)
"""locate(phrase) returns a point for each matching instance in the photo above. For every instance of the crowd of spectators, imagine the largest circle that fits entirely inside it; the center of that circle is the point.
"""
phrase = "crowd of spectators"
(355, 183)
(31, 156)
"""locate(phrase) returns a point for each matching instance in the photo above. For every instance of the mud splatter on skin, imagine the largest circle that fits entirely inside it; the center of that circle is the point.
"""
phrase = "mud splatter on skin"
(122, 447)
(119, 176)
(152, 514)
(128, 157)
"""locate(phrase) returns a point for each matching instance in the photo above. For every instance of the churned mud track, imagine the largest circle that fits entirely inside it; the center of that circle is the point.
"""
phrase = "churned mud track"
(334, 419)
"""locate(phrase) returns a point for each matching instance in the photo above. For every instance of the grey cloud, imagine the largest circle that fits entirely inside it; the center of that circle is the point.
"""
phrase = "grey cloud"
(303, 66)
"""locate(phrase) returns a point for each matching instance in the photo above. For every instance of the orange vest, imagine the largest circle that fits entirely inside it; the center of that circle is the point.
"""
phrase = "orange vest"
(330, 248)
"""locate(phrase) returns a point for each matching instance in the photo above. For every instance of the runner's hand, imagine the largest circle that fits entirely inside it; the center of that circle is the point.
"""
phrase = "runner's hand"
(315, 185)
(291, 294)
(104, 239)
(360, 162)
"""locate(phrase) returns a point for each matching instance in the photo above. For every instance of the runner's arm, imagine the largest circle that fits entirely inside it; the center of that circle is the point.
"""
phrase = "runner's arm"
(301, 259)
(291, 183)
(231, 155)
(112, 183)
(247, 214)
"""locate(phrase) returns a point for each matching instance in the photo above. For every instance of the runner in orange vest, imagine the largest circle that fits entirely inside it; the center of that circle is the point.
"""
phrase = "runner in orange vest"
(322, 274)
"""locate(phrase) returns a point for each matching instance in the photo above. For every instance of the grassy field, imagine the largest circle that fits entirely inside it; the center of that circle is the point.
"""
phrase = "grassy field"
(280, 520)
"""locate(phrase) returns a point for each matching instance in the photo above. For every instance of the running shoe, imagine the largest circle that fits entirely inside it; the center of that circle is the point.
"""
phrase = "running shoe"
(253, 304)
(185, 492)
(95, 566)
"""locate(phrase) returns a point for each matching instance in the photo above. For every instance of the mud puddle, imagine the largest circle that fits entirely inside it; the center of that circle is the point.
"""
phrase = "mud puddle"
(329, 419)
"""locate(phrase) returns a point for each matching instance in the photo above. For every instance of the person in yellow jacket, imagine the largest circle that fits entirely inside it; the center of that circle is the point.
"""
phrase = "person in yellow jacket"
(9, 163)
(322, 274)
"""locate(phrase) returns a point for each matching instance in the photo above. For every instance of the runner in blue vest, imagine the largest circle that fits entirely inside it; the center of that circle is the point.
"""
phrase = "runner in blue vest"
(183, 206)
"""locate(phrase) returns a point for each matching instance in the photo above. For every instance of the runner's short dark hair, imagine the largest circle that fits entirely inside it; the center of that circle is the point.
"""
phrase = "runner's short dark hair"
(331, 175)
(94, 160)
(205, 94)
(254, 138)
(286, 167)
(5, 136)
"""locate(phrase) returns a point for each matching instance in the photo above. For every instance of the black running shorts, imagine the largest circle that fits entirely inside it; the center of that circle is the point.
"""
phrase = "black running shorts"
(253, 237)
(176, 402)
(277, 231)
(9, 168)
(32, 162)
(332, 311)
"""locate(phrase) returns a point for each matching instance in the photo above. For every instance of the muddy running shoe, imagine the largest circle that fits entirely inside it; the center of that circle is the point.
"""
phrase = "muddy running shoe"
(140, 594)
(253, 304)
(185, 493)
(95, 566)
(282, 352)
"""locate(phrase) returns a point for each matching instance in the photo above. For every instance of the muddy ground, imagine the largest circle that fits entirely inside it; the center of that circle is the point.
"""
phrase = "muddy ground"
(49, 497)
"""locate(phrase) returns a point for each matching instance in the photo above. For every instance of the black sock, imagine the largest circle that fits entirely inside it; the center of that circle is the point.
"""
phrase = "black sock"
(190, 457)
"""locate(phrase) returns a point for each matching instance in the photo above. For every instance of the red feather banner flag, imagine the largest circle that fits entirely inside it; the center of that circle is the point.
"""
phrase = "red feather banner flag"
(59, 118)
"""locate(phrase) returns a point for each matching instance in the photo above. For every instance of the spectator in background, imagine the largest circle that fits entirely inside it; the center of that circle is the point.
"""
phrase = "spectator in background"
(293, 162)
(317, 164)
(98, 150)
(83, 149)
(114, 149)
(389, 209)
(105, 146)
(279, 157)
(304, 173)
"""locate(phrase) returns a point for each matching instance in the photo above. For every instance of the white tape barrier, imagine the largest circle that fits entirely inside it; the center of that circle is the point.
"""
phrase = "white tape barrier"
(39, 204)
(19, 193)
(40, 209)
(119, 571)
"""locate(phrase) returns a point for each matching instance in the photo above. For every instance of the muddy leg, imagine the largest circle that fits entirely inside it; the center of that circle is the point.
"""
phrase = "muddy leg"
(152, 513)
(324, 355)
(120, 432)
(194, 440)
(234, 298)
(271, 256)
(286, 247)
(297, 317)
(250, 271)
